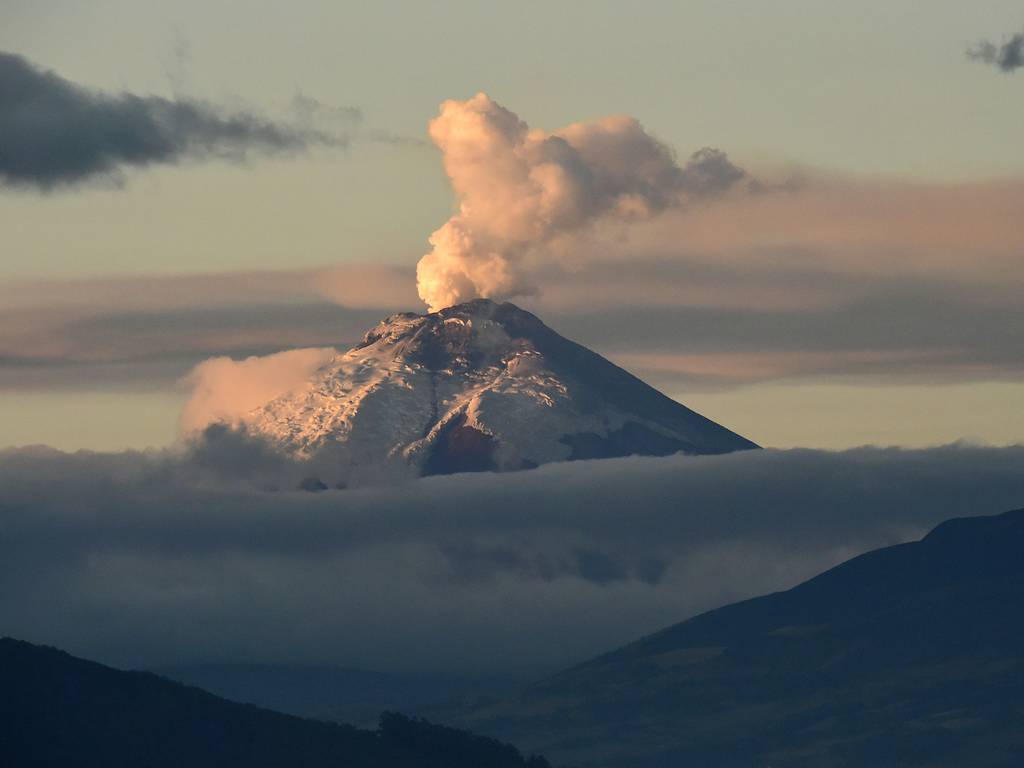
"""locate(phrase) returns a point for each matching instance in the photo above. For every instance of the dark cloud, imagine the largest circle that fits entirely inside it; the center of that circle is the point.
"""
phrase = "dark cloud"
(709, 172)
(771, 322)
(147, 332)
(54, 132)
(1009, 56)
(900, 333)
(132, 349)
(160, 557)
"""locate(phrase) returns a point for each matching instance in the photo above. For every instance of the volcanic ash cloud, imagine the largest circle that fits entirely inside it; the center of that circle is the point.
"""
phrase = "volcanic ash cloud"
(519, 188)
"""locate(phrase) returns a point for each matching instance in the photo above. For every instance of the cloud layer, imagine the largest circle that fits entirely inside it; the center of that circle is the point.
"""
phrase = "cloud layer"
(54, 132)
(146, 333)
(519, 189)
(154, 558)
(223, 390)
(833, 277)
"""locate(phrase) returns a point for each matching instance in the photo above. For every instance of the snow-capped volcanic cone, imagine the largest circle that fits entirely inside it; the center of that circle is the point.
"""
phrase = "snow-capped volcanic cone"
(478, 386)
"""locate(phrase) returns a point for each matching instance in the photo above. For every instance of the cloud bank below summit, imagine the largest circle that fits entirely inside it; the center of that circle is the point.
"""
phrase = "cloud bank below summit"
(154, 558)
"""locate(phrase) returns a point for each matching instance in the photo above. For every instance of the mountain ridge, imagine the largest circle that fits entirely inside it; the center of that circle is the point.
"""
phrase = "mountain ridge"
(58, 710)
(908, 655)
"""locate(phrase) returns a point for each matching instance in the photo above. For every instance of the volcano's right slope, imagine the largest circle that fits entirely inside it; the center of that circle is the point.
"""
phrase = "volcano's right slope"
(911, 655)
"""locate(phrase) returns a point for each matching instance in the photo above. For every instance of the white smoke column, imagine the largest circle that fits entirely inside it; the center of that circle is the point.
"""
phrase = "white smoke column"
(518, 188)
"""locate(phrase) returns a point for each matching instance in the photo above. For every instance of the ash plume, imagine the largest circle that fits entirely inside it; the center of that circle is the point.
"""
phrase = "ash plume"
(520, 188)
(1009, 56)
(54, 132)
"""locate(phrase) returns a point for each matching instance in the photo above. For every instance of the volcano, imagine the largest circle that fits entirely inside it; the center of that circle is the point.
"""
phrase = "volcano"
(479, 386)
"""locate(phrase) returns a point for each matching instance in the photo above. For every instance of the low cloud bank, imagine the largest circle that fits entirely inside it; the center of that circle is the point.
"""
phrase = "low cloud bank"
(162, 558)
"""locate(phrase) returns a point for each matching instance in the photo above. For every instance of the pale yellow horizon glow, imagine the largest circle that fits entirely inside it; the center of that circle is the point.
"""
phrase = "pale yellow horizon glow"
(835, 416)
(775, 415)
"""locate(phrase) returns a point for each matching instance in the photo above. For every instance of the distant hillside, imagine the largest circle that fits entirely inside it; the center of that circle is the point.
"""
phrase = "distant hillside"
(911, 655)
(57, 710)
(355, 696)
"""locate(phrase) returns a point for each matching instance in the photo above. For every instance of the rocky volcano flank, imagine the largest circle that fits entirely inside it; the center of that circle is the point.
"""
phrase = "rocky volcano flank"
(478, 386)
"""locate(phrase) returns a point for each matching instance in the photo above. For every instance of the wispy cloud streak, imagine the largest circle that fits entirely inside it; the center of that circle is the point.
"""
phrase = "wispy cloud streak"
(54, 132)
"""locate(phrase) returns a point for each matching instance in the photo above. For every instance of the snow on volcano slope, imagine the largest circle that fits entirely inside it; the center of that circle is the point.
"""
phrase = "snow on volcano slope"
(477, 386)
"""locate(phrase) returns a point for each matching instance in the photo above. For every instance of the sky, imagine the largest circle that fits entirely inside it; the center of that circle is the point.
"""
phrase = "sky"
(867, 292)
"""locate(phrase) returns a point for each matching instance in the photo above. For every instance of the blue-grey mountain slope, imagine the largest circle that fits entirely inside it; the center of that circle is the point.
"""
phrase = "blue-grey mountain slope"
(57, 711)
(911, 655)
